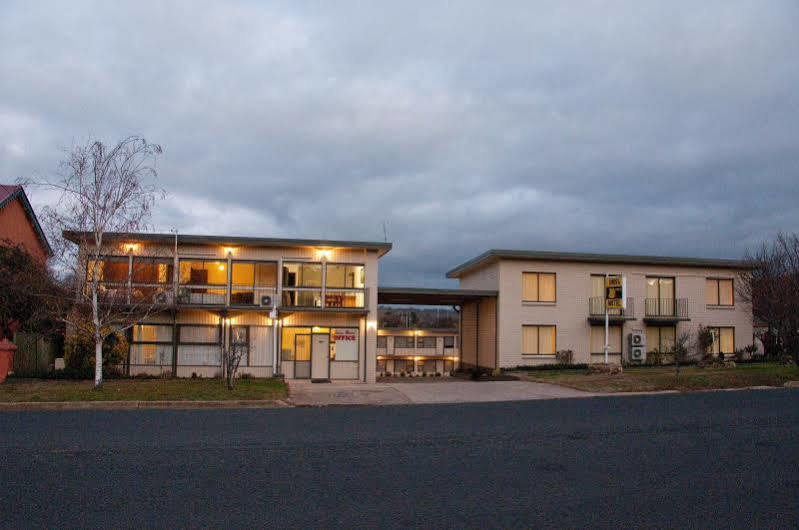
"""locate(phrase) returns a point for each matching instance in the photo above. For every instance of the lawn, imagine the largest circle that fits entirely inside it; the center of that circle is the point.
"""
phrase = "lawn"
(643, 379)
(41, 390)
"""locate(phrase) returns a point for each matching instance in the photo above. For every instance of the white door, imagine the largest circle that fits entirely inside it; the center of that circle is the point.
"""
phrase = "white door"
(320, 356)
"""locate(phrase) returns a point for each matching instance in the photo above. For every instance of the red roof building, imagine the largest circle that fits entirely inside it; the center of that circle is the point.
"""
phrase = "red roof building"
(18, 222)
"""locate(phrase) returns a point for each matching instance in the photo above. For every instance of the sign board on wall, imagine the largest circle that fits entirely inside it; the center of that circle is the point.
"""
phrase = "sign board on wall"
(615, 292)
(345, 344)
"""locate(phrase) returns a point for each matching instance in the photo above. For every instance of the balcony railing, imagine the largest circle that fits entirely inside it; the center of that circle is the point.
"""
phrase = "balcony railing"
(666, 307)
(596, 308)
(249, 296)
(202, 294)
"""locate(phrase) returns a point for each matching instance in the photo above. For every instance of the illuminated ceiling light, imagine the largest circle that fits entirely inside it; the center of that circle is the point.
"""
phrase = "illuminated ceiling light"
(229, 251)
(371, 324)
(221, 266)
(323, 254)
(131, 247)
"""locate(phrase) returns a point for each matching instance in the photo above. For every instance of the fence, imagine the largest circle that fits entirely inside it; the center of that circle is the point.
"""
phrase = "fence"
(35, 354)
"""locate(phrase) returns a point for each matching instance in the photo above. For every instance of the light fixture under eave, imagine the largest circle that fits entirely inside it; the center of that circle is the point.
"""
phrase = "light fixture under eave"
(229, 251)
(130, 248)
(221, 266)
(323, 254)
(371, 324)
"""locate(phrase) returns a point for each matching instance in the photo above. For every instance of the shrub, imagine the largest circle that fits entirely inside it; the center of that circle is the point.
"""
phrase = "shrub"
(564, 356)
(424, 374)
(552, 366)
(704, 343)
(388, 374)
(79, 354)
(402, 374)
(245, 375)
(438, 374)
(654, 357)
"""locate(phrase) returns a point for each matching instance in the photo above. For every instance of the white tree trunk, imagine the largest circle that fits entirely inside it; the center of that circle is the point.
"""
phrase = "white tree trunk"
(98, 339)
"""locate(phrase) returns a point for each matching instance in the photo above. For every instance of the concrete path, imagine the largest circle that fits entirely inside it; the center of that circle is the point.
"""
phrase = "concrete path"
(305, 393)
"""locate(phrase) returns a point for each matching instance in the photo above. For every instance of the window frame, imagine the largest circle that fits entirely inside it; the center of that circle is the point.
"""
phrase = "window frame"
(538, 341)
(610, 332)
(719, 328)
(88, 277)
(207, 283)
(133, 342)
(247, 338)
(302, 264)
(717, 281)
(344, 263)
(410, 338)
(420, 340)
(451, 347)
(660, 338)
(538, 287)
(384, 340)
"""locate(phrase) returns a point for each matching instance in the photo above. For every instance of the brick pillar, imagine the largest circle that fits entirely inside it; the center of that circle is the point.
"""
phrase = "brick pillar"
(7, 350)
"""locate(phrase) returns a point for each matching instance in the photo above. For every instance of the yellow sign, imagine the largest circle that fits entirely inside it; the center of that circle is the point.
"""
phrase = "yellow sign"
(615, 303)
(613, 281)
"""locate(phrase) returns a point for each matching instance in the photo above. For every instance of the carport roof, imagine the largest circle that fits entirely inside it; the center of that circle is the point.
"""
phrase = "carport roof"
(429, 296)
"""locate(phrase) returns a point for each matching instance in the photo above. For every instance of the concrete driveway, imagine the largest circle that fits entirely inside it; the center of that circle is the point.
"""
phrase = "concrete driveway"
(305, 393)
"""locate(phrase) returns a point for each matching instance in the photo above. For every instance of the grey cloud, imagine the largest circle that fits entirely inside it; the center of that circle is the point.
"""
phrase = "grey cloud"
(624, 127)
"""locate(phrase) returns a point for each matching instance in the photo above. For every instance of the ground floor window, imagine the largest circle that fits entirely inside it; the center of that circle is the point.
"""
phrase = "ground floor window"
(381, 365)
(449, 366)
(428, 366)
(538, 340)
(402, 365)
(344, 344)
(598, 339)
(151, 344)
(723, 340)
(660, 338)
(199, 346)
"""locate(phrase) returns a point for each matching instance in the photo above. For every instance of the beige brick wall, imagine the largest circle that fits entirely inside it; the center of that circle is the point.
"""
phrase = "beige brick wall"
(570, 311)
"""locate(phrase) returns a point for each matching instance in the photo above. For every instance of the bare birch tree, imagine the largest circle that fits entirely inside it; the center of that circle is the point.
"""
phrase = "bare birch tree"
(103, 189)
(233, 351)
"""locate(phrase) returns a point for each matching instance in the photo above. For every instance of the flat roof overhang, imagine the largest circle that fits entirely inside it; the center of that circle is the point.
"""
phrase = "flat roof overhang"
(426, 296)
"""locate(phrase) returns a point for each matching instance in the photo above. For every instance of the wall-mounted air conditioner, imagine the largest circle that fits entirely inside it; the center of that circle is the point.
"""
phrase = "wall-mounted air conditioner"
(636, 342)
(266, 300)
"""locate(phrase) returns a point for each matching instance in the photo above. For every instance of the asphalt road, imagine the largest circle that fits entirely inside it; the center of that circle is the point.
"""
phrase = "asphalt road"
(726, 459)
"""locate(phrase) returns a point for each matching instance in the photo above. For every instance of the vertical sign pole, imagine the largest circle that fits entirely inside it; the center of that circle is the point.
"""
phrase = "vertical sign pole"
(606, 319)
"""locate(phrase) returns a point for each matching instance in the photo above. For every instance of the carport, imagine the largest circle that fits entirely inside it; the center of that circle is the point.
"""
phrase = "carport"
(477, 324)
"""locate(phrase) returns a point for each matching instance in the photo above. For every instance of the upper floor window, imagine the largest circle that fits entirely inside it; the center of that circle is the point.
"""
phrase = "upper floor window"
(538, 286)
(111, 269)
(152, 270)
(249, 274)
(302, 274)
(719, 291)
(425, 342)
(660, 288)
(449, 341)
(203, 272)
(403, 342)
(381, 341)
(345, 276)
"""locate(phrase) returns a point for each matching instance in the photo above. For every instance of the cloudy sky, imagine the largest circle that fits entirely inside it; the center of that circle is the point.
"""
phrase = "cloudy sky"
(639, 127)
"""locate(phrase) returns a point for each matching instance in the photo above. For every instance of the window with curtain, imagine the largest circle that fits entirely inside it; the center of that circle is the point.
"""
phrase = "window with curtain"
(719, 291)
(199, 346)
(723, 340)
(598, 339)
(660, 338)
(152, 270)
(111, 269)
(296, 341)
(449, 341)
(203, 272)
(344, 276)
(538, 340)
(381, 341)
(538, 286)
(151, 344)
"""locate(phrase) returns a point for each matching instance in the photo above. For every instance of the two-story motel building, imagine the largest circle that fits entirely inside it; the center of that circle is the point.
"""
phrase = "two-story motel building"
(308, 308)
(550, 301)
(301, 308)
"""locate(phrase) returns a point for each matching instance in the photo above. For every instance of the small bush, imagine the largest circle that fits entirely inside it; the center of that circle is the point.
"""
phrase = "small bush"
(654, 357)
(402, 374)
(564, 356)
(79, 355)
(388, 374)
(245, 375)
(438, 374)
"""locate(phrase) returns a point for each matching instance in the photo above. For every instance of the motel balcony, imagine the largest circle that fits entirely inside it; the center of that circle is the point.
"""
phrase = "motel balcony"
(665, 310)
(596, 311)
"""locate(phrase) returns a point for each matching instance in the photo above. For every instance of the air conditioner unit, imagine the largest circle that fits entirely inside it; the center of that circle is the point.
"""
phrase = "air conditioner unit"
(160, 298)
(637, 346)
(266, 300)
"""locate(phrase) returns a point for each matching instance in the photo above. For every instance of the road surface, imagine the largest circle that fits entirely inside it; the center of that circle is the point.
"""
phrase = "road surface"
(722, 459)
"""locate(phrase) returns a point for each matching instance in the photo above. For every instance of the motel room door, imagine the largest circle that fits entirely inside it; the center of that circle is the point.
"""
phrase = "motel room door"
(302, 356)
(320, 356)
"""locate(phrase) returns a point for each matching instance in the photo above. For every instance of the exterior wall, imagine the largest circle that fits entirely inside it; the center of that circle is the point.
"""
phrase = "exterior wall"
(570, 310)
(16, 227)
(468, 334)
(485, 278)
(260, 324)
(487, 333)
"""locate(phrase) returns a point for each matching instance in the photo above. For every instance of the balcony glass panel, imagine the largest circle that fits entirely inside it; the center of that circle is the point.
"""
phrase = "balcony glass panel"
(302, 297)
(253, 284)
(334, 298)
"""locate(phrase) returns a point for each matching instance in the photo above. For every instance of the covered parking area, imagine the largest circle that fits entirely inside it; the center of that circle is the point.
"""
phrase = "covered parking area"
(477, 318)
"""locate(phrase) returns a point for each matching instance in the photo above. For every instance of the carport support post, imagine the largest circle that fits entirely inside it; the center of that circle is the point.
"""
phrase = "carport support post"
(605, 303)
